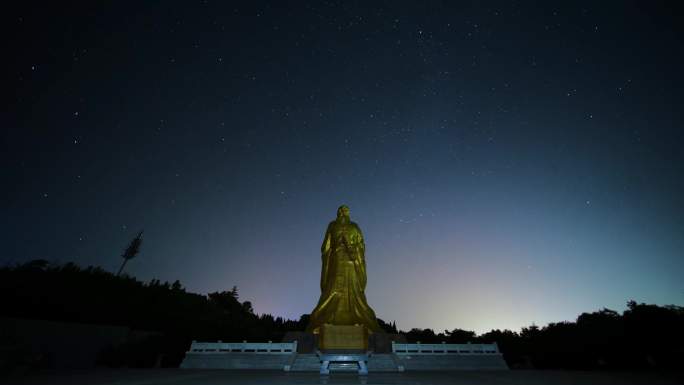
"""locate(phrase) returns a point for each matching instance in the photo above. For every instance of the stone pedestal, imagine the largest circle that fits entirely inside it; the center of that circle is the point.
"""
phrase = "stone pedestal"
(343, 337)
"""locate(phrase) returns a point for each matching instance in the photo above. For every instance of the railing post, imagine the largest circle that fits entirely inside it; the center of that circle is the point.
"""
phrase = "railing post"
(244, 345)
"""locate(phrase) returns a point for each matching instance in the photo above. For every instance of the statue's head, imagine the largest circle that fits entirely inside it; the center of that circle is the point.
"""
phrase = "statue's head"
(343, 213)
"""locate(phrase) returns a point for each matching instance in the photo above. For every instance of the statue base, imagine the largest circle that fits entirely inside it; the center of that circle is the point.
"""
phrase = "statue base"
(343, 337)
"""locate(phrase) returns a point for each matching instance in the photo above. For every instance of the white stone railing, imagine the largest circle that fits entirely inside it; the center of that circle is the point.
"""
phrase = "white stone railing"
(445, 348)
(243, 347)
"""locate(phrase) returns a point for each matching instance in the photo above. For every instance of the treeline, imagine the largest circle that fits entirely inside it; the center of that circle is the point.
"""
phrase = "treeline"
(643, 336)
(68, 293)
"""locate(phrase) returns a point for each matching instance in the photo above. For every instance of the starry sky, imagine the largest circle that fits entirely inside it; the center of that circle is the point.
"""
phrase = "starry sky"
(509, 163)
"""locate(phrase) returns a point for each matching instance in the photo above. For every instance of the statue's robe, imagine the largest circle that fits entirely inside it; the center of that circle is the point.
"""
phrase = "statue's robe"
(343, 280)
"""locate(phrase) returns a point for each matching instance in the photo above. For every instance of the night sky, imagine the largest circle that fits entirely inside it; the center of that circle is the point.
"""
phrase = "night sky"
(508, 163)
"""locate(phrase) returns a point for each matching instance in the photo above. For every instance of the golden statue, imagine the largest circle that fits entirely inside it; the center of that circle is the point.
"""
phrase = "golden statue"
(343, 278)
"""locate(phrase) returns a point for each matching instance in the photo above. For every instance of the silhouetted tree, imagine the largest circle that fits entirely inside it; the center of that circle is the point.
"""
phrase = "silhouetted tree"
(247, 308)
(131, 251)
(34, 265)
(226, 300)
(176, 286)
(459, 336)
(426, 336)
(388, 327)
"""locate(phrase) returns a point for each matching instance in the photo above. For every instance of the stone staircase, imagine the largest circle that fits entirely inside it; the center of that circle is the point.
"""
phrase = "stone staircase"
(376, 363)
(352, 367)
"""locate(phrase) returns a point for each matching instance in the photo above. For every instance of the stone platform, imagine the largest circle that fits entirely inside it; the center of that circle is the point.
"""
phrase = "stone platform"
(306, 362)
(310, 362)
(284, 356)
(237, 361)
(240, 355)
(452, 362)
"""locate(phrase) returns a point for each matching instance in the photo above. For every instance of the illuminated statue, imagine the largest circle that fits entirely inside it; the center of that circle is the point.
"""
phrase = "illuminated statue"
(343, 278)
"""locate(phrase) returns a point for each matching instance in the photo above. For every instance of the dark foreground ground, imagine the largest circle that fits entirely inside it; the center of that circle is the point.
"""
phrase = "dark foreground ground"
(226, 377)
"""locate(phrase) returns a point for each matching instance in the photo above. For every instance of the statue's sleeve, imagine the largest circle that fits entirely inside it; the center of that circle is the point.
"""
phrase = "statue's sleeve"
(362, 244)
(325, 257)
(360, 256)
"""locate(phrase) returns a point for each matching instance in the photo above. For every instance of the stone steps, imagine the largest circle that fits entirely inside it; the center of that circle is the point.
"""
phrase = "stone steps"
(343, 367)
(376, 363)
